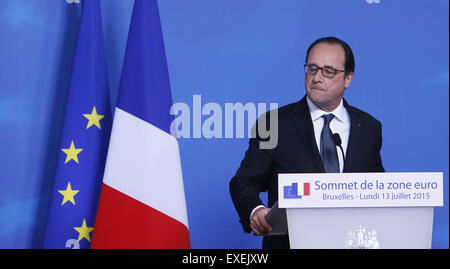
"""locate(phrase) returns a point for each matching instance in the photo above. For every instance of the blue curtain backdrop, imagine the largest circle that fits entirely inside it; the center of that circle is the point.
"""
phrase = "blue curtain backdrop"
(227, 51)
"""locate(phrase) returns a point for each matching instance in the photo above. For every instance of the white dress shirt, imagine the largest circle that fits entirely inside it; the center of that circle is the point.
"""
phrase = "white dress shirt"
(339, 124)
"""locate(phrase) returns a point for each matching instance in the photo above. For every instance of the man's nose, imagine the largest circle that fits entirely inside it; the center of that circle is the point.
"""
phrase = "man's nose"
(318, 76)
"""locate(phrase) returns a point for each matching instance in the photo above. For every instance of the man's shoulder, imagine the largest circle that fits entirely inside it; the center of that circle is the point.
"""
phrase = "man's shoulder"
(287, 111)
(362, 115)
(290, 109)
(283, 115)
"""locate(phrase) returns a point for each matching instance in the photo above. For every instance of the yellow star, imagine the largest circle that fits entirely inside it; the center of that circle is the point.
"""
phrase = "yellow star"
(72, 153)
(68, 194)
(83, 231)
(94, 118)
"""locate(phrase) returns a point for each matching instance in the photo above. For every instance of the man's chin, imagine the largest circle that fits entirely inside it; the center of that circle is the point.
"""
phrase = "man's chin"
(317, 97)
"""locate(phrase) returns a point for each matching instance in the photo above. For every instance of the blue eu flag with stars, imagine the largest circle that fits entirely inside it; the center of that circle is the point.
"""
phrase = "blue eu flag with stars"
(84, 140)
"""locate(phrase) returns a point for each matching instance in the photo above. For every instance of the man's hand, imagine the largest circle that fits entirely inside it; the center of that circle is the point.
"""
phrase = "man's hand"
(258, 222)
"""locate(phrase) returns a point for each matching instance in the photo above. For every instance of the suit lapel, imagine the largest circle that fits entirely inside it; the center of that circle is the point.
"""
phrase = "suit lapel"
(356, 128)
(305, 129)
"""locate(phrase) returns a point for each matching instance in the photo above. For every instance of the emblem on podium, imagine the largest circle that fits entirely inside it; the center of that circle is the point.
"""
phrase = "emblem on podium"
(362, 239)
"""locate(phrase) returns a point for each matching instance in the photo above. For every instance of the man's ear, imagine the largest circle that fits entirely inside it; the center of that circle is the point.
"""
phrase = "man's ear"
(348, 80)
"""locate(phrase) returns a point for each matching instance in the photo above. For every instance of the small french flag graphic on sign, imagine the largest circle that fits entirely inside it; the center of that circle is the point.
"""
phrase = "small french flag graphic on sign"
(295, 191)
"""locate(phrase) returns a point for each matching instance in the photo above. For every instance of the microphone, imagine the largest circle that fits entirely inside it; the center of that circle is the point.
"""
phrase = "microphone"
(337, 140)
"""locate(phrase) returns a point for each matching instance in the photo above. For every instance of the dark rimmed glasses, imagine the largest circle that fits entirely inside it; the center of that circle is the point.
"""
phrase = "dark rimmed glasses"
(328, 72)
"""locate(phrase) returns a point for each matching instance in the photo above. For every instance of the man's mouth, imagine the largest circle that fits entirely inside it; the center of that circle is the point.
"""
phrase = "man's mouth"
(314, 87)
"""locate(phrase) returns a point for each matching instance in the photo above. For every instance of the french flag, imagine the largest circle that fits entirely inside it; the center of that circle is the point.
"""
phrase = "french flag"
(142, 201)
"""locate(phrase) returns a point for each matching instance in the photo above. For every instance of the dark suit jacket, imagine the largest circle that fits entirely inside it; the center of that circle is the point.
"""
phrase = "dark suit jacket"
(297, 152)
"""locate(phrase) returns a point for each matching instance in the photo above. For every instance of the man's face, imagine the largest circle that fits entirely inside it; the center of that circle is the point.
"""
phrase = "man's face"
(326, 93)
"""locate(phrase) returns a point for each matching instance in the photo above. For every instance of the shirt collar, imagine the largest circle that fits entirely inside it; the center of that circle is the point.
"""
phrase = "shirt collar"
(316, 112)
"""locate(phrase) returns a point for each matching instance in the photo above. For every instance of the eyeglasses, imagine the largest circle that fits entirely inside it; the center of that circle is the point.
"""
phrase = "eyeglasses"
(328, 72)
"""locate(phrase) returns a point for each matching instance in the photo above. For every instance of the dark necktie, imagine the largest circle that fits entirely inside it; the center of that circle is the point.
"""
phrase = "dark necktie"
(328, 147)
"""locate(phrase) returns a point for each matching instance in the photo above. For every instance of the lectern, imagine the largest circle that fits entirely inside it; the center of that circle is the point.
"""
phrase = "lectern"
(359, 210)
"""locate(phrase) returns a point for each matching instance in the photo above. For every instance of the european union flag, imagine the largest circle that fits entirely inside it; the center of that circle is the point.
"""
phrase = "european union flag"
(84, 140)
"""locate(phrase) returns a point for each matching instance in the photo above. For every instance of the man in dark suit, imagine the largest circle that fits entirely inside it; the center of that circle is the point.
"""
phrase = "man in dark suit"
(305, 138)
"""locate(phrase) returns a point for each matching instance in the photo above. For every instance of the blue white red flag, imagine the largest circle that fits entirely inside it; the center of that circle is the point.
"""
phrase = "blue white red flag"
(142, 203)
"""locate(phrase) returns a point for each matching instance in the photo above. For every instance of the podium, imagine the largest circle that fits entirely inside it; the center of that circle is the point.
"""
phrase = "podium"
(360, 210)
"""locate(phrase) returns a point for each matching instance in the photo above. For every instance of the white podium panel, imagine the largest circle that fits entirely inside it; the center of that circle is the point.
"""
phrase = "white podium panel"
(360, 228)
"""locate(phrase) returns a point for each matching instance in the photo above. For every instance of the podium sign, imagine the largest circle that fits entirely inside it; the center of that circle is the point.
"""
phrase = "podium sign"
(360, 190)
(360, 210)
